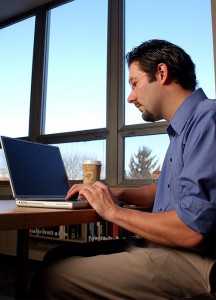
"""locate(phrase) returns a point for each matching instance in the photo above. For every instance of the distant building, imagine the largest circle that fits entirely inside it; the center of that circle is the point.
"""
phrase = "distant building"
(155, 175)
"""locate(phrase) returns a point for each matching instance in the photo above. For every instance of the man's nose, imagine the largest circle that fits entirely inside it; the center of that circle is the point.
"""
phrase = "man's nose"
(132, 97)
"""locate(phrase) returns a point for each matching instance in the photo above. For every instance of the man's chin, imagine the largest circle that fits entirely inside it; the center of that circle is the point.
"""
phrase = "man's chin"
(148, 117)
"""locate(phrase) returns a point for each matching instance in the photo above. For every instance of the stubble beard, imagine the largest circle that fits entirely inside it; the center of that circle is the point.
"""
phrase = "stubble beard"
(148, 117)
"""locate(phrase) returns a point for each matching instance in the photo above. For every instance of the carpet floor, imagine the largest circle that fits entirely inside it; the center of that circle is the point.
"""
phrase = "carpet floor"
(8, 276)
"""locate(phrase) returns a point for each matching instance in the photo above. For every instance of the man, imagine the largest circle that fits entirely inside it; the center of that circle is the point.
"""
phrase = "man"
(177, 262)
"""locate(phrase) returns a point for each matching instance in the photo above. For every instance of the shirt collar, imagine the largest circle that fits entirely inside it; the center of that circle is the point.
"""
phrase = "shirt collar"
(185, 111)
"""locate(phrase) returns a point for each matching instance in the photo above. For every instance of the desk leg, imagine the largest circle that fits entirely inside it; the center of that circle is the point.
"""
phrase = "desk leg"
(22, 264)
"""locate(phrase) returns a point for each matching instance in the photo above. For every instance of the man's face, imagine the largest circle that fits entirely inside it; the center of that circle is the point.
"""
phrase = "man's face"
(144, 94)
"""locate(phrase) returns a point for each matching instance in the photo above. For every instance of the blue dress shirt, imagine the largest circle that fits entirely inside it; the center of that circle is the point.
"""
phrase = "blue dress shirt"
(187, 182)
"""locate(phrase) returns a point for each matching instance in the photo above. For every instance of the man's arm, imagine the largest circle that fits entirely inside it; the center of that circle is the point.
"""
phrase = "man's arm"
(164, 228)
(139, 196)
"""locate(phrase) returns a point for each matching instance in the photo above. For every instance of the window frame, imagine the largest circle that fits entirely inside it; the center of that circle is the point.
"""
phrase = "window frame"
(115, 131)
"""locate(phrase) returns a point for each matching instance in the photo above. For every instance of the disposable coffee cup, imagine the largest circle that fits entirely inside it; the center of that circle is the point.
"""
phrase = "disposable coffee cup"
(91, 171)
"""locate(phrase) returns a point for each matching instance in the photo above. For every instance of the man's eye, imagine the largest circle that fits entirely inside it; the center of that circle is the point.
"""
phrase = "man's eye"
(133, 85)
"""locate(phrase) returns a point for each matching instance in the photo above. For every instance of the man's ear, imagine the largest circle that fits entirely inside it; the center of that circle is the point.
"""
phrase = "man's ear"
(163, 72)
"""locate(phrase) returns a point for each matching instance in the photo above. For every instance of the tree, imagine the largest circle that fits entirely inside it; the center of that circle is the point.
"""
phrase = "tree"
(142, 164)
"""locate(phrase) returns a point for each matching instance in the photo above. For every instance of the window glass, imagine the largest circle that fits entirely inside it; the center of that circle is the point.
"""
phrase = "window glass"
(177, 22)
(73, 154)
(144, 154)
(76, 89)
(3, 168)
(16, 53)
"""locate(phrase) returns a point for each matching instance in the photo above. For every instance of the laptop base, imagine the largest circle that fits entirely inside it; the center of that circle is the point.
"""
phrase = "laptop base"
(73, 204)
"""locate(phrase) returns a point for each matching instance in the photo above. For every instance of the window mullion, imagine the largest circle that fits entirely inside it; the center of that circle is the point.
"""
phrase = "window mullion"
(37, 103)
(114, 83)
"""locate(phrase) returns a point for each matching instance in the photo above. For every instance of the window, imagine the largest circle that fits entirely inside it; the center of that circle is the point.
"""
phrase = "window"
(76, 89)
(179, 27)
(144, 154)
(64, 80)
(16, 67)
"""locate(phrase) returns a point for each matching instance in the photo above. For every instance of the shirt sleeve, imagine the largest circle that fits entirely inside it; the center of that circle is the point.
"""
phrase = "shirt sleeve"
(196, 203)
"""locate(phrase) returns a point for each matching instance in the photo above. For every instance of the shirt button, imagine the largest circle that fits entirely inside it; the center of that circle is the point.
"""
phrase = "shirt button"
(168, 186)
(171, 159)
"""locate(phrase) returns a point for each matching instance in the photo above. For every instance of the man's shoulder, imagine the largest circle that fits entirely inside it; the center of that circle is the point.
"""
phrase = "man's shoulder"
(206, 105)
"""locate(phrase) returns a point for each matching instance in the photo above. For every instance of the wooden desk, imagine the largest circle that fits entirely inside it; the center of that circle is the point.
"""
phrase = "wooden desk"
(13, 217)
(23, 218)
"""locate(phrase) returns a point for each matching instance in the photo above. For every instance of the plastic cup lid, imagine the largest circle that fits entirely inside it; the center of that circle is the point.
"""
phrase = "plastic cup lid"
(92, 162)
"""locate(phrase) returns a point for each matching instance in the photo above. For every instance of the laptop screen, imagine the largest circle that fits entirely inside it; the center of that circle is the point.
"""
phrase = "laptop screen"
(35, 170)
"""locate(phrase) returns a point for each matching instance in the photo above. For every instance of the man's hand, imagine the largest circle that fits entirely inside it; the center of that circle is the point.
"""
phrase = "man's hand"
(74, 191)
(98, 195)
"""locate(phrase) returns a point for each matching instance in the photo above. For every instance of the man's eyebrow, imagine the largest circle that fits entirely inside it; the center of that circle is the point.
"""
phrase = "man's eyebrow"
(135, 77)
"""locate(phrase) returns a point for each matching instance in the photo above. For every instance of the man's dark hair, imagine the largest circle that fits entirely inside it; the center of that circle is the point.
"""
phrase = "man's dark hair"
(153, 52)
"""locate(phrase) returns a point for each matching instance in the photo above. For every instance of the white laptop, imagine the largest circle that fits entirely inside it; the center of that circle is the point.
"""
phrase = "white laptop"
(37, 175)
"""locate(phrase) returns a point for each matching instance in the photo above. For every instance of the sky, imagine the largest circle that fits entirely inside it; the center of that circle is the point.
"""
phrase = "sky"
(77, 65)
